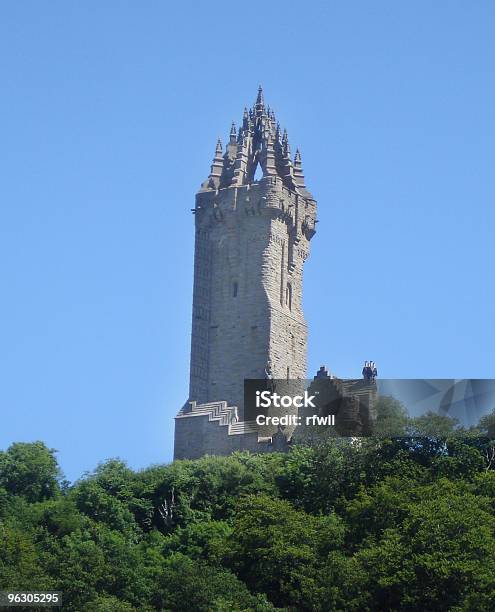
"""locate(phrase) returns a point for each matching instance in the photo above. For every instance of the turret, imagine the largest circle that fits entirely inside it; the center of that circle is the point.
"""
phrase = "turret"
(252, 239)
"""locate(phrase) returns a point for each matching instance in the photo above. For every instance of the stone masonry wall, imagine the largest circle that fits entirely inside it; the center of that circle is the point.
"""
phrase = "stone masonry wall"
(247, 304)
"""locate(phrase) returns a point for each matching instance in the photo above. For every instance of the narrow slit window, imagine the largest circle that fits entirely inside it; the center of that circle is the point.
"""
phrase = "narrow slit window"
(288, 296)
(235, 288)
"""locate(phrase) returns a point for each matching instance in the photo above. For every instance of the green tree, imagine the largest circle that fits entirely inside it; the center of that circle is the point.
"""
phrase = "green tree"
(21, 567)
(316, 478)
(437, 554)
(109, 603)
(206, 540)
(486, 424)
(382, 523)
(433, 425)
(187, 585)
(94, 501)
(391, 417)
(276, 549)
(30, 470)
(460, 460)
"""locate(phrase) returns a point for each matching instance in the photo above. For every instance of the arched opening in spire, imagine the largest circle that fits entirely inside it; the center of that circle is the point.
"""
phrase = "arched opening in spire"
(258, 172)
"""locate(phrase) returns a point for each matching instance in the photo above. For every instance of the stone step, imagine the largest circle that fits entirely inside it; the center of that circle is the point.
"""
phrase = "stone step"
(223, 414)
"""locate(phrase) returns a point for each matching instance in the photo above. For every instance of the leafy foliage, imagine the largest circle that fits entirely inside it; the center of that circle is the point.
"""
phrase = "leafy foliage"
(389, 523)
(30, 470)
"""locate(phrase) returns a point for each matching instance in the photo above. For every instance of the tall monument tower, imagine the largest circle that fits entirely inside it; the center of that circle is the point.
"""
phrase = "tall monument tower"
(254, 219)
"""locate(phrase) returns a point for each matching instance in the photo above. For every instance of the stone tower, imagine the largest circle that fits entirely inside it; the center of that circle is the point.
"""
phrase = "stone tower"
(254, 219)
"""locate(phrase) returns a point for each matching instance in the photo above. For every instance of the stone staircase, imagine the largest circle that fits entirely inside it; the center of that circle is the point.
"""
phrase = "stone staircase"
(226, 416)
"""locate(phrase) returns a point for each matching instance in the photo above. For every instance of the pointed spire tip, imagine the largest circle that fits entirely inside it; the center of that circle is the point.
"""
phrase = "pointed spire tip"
(259, 98)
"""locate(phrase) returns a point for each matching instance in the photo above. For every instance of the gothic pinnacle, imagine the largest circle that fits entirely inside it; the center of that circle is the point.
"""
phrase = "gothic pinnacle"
(245, 119)
(287, 148)
(233, 133)
(259, 106)
(216, 168)
(270, 168)
(259, 98)
(298, 171)
(285, 144)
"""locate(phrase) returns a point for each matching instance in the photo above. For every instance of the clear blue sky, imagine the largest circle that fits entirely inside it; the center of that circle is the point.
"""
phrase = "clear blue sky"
(109, 114)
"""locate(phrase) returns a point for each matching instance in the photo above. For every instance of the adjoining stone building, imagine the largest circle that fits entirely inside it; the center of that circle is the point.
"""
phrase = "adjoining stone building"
(252, 240)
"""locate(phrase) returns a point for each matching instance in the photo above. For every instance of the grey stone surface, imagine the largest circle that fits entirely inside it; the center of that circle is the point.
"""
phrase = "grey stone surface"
(204, 431)
(252, 239)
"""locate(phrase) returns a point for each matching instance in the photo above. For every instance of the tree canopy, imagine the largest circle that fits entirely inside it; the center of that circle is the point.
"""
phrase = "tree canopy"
(386, 523)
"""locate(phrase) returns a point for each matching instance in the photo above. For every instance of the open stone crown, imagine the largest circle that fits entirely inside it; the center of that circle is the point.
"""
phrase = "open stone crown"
(259, 142)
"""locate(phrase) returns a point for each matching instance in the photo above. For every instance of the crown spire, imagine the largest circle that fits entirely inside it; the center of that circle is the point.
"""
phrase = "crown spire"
(259, 98)
(259, 107)
(259, 141)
